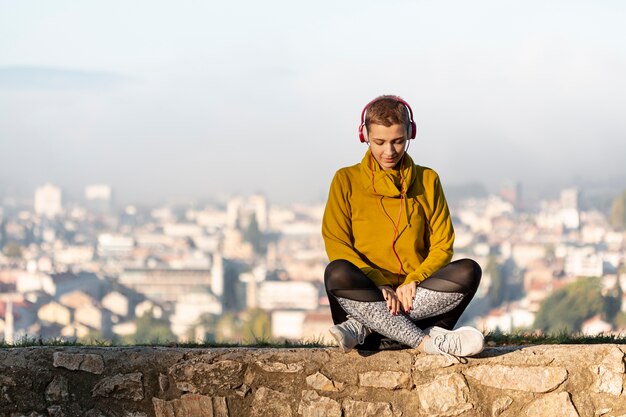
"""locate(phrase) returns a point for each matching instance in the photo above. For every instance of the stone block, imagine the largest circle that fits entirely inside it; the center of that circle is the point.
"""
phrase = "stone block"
(320, 382)
(56, 390)
(207, 378)
(609, 373)
(78, 361)
(120, 386)
(428, 362)
(385, 379)
(188, 405)
(67, 360)
(220, 407)
(314, 405)
(500, 404)
(530, 378)
(92, 363)
(353, 408)
(607, 381)
(270, 403)
(553, 404)
(447, 395)
(280, 367)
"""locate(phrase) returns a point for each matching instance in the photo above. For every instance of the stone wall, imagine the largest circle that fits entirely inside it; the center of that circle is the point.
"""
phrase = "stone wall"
(556, 381)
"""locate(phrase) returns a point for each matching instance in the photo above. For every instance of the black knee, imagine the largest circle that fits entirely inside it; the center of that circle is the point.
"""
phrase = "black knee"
(470, 273)
(337, 273)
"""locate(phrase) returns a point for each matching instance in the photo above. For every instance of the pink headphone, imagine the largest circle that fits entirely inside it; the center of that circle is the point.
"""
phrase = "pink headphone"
(412, 125)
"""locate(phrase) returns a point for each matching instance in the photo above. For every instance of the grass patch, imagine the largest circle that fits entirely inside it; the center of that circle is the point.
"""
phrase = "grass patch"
(29, 341)
(494, 338)
(562, 337)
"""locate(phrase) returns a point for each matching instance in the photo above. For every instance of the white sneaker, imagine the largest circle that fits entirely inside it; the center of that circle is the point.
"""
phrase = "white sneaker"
(464, 341)
(349, 333)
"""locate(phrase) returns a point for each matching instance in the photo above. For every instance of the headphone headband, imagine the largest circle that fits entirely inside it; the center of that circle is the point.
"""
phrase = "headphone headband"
(412, 124)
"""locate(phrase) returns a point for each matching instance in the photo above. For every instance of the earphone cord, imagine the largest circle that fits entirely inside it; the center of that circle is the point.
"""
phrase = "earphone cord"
(396, 224)
(372, 172)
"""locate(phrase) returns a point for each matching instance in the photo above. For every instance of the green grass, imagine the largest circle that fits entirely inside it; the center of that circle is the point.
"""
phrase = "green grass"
(518, 338)
(562, 337)
(258, 343)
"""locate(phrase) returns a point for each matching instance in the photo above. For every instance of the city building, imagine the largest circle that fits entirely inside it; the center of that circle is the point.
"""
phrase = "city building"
(48, 201)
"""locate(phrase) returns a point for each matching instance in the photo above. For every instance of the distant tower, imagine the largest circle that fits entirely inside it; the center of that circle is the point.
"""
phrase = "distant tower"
(258, 204)
(233, 210)
(217, 275)
(48, 200)
(99, 198)
(569, 208)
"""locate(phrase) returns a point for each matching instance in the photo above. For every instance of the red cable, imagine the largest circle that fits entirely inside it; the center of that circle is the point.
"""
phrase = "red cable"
(396, 225)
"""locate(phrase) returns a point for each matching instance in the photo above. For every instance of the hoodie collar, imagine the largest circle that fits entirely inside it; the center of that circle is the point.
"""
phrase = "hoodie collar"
(386, 183)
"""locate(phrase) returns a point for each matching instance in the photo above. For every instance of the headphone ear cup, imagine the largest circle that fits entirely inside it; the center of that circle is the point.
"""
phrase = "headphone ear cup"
(413, 130)
(362, 133)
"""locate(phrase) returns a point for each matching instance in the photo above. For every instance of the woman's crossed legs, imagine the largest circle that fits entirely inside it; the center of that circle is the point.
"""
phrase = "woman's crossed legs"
(439, 301)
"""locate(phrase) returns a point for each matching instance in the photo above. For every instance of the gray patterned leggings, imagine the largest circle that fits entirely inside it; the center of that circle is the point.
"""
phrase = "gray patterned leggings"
(439, 300)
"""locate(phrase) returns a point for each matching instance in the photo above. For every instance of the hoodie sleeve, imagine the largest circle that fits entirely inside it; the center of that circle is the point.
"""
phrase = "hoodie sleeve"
(337, 230)
(441, 236)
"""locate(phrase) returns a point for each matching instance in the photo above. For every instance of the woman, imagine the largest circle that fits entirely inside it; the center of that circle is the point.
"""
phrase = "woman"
(389, 237)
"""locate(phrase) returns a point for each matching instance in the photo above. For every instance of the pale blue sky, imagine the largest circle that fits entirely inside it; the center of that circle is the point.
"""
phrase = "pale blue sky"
(187, 99)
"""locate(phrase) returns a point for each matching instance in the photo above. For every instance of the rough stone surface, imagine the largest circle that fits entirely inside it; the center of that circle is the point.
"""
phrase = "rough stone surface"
(500, 404)
(66, 360)
(92, 363)
(314, 405)
(553, 404)
(607, 381)
(243, 390)
(57, 389)
(428, 362)
(79, 361)
(127, 386)
(188, 405)
(94, 412)
(280, 367)
(385, 379)
(207, 378)
(320, 382)
(609, 373)
(220, 407)
(531, 379)
(447, 395)
(55, 411)
(31, 414)
(164, 383)
(353, 408)
(585, 380)
(270, 403)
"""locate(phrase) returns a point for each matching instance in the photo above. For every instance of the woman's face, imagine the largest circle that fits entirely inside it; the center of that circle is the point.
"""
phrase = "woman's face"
(387, 144)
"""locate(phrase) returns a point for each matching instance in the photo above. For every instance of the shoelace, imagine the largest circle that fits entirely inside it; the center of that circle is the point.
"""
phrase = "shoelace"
(449, 345)
(359, 329)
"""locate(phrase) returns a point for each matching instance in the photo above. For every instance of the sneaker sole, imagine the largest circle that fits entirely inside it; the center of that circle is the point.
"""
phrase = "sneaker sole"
(336, 334)
(466, 328)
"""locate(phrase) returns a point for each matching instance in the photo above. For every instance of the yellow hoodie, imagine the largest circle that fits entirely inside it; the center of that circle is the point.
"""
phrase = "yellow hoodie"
(362, 213)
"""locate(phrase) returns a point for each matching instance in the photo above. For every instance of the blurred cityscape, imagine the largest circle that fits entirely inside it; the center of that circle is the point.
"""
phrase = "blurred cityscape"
(245, 270)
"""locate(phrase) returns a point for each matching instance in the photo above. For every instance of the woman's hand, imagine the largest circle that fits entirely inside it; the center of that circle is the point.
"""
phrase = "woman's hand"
(392, 299)
(406, 294)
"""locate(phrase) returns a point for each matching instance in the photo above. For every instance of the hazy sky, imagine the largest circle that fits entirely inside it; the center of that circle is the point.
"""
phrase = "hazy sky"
(186, 99)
